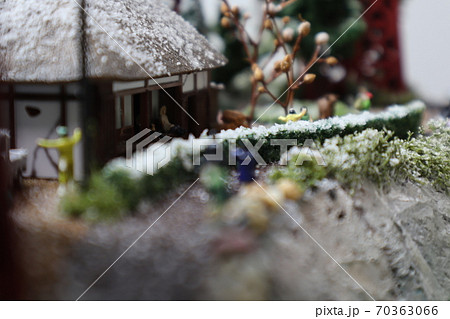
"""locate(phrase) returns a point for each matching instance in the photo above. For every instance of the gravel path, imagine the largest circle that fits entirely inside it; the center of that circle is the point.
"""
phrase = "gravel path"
(395, 244)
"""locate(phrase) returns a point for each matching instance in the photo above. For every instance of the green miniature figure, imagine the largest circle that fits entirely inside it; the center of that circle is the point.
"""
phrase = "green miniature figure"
(64, 145)
(363, 102)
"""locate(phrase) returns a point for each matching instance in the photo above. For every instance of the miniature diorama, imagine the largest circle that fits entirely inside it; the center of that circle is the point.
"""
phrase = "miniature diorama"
(64, 144)
(166, 63)
(218, 150)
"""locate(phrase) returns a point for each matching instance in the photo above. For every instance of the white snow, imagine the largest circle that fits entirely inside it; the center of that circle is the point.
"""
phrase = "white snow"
(40, 41)
(183, 148)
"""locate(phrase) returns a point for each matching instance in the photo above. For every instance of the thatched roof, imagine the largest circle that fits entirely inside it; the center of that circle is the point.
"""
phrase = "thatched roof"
(40, 41)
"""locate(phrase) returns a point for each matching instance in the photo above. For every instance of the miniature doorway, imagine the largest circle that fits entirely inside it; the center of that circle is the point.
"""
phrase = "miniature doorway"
(198, 108)
(172, 99)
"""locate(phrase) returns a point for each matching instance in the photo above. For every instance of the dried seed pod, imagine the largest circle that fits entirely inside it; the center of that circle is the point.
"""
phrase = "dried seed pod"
(276, 43)
(309, 78)
(224, 8)
(235, 10)
(331, 60)
(277, 66)
(272, 9)
(268, 24)
(225, 22)
(288, 58)
(286, 19)
(322, 38)
(261, 89)
(304, 28)
(286, 64)
(246, 16)
(288, 34)
(258, 74)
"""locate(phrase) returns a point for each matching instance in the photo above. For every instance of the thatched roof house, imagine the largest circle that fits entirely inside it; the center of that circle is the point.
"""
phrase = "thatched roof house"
(40, 41)
(140, 55)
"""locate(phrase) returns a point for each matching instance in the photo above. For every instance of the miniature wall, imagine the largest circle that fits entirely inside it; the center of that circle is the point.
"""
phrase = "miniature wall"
(33, 125)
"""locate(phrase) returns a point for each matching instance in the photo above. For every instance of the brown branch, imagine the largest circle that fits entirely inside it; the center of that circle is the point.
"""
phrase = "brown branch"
(275, 99)
(276, 32)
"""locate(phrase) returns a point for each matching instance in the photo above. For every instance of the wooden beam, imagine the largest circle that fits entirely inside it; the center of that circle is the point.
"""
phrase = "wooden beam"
(208, 85)
(195, 82)
(12, 116)
(148, 88)
(63, 105)
(122, 113)
(145, 117)
(151, 106)
(43, 97)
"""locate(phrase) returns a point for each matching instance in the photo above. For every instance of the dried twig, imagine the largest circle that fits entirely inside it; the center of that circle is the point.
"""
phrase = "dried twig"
(283, 37)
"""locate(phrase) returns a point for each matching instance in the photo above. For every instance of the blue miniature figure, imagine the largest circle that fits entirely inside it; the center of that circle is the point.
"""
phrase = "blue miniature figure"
(246, 167)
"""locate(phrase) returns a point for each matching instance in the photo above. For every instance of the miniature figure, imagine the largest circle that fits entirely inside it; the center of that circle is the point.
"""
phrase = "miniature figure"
(169, 128)
(64, 145)
(293, 116)
(326, 105)
(246, 170)
(231, 119)
(363, 102)
(165, 120)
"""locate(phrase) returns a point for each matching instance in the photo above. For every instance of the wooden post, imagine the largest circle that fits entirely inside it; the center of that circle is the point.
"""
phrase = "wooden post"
(12, 117)
(89, 125)
(9, 270)
(63, 104)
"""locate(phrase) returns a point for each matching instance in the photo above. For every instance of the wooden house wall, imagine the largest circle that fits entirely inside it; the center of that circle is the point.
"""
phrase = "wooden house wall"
(32, 111)
(105, 135)
(7, 110)
(60, 104)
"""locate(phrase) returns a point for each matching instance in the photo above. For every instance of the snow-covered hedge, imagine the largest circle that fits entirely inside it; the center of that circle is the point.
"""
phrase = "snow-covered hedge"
(121, 188)
(398, 119)
(374, 155)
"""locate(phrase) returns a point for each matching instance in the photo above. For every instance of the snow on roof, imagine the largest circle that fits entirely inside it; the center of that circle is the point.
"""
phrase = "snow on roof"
(40, 41)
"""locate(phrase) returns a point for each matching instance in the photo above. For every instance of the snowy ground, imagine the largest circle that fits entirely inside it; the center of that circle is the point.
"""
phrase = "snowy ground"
(394, 244)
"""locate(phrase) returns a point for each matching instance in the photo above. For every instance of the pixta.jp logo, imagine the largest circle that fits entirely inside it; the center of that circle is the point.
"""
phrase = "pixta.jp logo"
(151, 152)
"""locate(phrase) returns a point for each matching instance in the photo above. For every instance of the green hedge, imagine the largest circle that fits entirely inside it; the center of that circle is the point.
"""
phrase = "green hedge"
(401, 120)
(119, 189)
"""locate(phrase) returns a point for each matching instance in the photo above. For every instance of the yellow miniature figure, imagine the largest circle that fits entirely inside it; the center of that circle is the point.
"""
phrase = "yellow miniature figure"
(293, 116)
(64, 145)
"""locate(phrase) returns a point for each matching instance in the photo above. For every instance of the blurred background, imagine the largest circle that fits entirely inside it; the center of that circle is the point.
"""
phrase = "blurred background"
(398, 50)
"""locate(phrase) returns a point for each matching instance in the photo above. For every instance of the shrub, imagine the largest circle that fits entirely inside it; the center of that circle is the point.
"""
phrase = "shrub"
(307, 176)
(378, 156)
(118, 188)
(401, 120)
(165, 179)
(101, 201)
(425, 159)
(126, 186)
